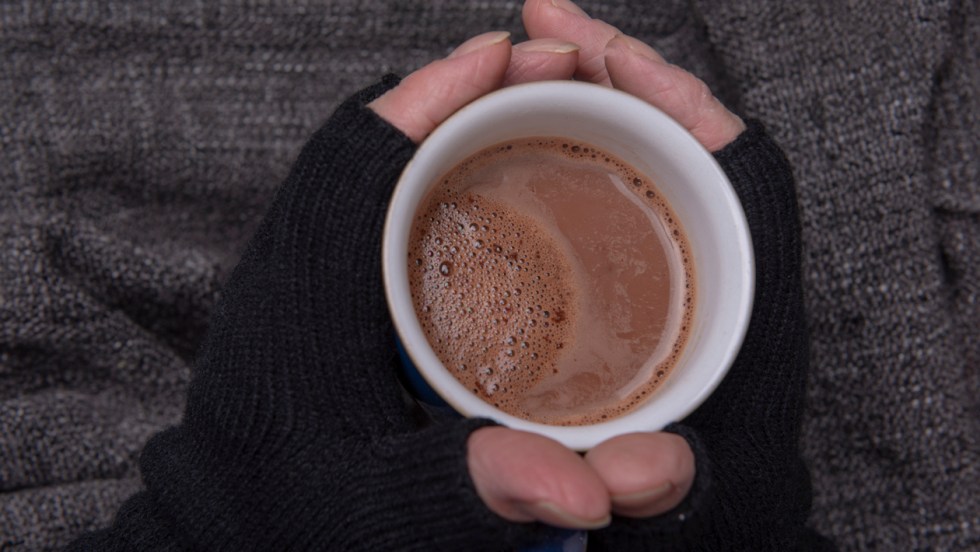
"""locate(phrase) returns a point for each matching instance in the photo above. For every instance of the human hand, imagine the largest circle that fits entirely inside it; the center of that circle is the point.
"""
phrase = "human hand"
(482, 64)
(751, 490)
(564, 43)
(521, 476)
(610, 58)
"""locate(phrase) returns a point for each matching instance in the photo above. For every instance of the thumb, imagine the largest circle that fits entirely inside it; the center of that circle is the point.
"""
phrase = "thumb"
(525, 477)
(646, 474)
(428, 96)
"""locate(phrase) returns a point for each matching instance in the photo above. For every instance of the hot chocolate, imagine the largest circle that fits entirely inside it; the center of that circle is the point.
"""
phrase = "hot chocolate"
(552, 280)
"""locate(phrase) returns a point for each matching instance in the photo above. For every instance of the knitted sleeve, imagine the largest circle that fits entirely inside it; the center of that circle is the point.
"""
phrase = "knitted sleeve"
(296, 434)
(752, 490)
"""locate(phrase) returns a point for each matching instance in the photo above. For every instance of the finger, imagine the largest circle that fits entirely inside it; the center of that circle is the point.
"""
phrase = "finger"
(543, 59)
(646, 474)
(563, 20)
(428, 96)
(638, 69)
(526, 477)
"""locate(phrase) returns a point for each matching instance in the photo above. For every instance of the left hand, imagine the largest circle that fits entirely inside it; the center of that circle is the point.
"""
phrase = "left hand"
(522, 476)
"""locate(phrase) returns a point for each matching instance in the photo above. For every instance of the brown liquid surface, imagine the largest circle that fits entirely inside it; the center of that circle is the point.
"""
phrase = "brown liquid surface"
(552, 280)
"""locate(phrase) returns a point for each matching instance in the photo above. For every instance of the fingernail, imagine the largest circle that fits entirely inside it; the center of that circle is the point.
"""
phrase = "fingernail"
(479, 42)
(643, 498)
(551, 46)
(635, 46)
(569, 6)
(551, 514)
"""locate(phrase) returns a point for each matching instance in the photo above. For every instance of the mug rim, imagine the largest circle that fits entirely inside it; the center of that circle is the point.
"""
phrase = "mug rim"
(398, 226)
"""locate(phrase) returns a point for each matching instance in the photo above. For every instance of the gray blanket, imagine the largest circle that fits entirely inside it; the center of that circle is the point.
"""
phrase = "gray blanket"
(141, 142)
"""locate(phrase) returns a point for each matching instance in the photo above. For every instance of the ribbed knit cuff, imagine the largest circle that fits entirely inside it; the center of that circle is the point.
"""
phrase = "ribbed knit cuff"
(333, 460)
(731, 500)
(763, 179)
(429, 468)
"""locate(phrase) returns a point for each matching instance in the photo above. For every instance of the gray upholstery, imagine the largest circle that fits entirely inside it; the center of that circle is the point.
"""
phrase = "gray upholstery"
(140, 142)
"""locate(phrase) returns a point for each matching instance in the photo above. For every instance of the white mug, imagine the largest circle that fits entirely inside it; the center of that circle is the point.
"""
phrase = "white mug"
(686, 175)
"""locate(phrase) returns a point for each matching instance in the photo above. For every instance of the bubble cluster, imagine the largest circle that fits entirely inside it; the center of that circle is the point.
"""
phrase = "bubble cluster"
(499, 300)
(488, 292)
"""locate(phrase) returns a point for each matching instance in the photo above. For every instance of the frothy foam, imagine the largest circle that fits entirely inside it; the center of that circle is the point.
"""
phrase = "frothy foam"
(552, 280)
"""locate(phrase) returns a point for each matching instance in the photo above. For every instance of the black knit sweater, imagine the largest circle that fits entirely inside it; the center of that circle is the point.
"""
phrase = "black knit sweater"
(297, 435)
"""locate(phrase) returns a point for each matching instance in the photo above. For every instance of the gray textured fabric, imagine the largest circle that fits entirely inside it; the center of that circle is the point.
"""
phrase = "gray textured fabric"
(140, 143)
